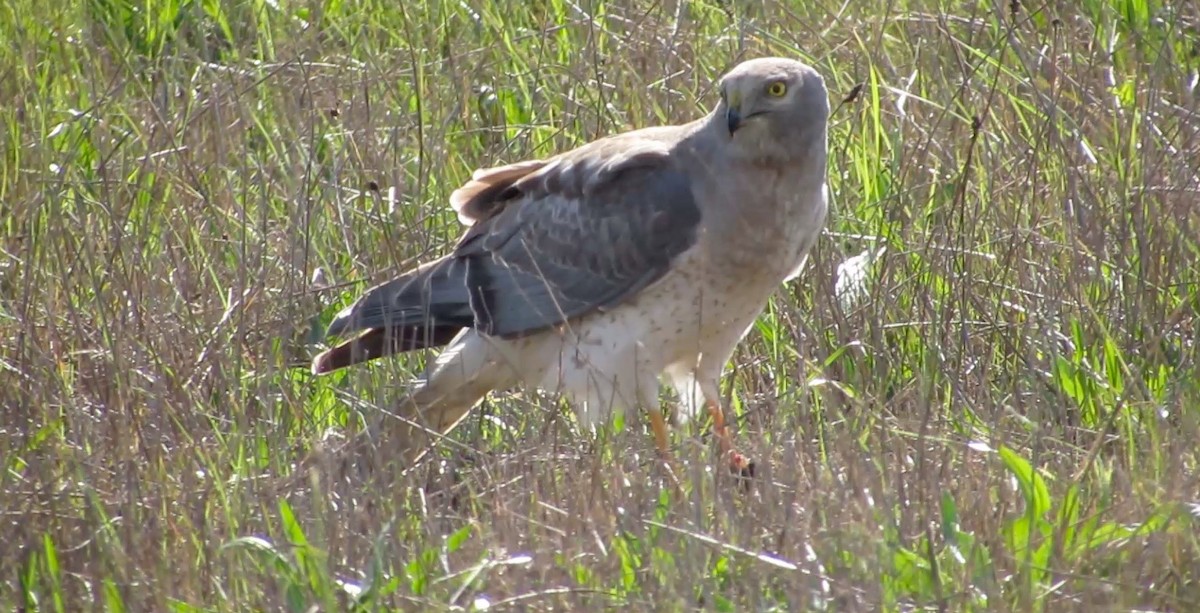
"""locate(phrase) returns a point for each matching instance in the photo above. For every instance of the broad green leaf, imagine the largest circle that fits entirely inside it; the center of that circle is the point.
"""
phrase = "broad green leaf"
(1037, 496)
(1068, 517)
(949, 519)
(456, 540)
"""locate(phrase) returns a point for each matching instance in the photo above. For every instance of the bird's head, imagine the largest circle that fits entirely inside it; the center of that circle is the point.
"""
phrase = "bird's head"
(774, 109)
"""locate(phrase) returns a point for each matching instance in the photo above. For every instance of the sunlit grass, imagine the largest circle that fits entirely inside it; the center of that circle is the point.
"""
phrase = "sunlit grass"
(1003, 417)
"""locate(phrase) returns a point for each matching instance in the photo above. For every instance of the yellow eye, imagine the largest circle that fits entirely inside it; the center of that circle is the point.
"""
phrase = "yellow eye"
(777, 89)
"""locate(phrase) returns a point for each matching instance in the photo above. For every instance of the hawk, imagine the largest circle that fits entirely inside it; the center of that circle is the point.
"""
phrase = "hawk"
(599, 271)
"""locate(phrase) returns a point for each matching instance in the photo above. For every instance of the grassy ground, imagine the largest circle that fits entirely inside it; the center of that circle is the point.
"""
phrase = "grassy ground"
(1006, 419)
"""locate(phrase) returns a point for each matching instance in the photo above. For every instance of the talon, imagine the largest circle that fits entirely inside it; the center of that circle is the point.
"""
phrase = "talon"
(741, 465)
(742, 468)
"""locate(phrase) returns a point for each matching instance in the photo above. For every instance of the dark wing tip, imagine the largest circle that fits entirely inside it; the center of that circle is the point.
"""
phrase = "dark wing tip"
(366, 347)
(382, 342)
(353, 317)
(340, 324)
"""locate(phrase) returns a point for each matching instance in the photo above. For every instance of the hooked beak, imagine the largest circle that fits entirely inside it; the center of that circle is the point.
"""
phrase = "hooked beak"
(733, 119)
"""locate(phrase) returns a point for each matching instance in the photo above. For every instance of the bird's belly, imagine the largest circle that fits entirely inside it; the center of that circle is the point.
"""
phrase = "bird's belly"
(611, 361)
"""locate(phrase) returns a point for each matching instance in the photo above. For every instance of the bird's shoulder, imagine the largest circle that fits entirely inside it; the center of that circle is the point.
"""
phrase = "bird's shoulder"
(588, 174)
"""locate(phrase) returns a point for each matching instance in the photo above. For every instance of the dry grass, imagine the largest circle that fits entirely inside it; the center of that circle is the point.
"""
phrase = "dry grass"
(1006, 419)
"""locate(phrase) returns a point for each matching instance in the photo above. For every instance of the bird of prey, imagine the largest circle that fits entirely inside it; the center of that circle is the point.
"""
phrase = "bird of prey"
(595, 272)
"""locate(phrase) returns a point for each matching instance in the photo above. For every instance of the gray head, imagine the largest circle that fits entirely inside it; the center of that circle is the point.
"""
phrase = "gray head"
(773, 110)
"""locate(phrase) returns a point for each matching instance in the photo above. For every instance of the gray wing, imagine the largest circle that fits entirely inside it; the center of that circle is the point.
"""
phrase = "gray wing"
(582, 232)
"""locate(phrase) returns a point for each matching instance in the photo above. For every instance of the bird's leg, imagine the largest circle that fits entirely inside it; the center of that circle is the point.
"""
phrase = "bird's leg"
(738, 463)
(659, 425)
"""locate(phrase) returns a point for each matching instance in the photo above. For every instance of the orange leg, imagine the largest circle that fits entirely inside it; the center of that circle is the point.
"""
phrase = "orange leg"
(738, 463)
(659, 425)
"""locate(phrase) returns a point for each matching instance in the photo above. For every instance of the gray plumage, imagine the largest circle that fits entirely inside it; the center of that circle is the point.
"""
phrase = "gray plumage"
(596, 271)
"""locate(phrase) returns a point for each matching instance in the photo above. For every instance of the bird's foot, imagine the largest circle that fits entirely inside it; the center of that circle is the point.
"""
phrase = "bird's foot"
(742, 468)
(741, 465)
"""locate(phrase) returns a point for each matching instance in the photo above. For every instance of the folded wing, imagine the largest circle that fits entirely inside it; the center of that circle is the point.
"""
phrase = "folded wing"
(548, 241)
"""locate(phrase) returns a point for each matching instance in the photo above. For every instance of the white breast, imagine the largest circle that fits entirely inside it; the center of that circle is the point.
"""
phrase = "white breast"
(691, 319)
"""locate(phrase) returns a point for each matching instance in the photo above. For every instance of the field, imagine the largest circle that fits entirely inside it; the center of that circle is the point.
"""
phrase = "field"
(995, 408)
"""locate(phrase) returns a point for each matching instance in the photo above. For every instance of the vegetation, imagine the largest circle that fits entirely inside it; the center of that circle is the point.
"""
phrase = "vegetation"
(996, 407)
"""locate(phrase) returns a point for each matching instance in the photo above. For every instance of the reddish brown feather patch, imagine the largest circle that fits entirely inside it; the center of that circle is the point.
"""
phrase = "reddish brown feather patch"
(475, 200)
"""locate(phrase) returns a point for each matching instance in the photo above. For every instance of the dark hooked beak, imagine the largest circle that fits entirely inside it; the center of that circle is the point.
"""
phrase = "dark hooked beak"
(733, 119)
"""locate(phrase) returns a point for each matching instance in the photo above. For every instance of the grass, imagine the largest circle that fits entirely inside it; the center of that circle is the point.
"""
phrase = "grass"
(1003, 417)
